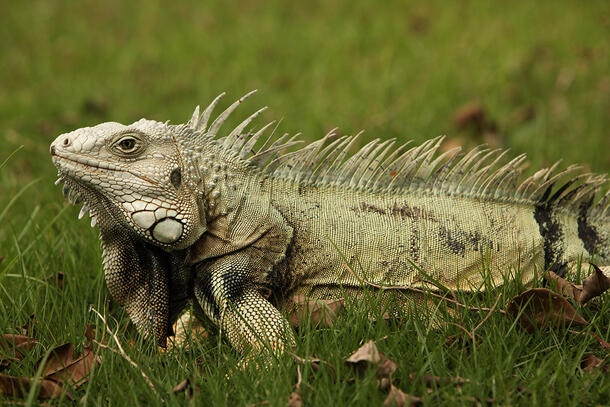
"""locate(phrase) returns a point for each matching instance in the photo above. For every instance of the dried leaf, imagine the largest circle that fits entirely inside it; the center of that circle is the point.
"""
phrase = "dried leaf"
(384, 384)
(294, 400)
(17, 345)
(593, 286)
(367, 353)
(540, 308)
(62, 367)
(591, 363)
(399, 398)
(321, 312)
(386, 368)
(20, 387)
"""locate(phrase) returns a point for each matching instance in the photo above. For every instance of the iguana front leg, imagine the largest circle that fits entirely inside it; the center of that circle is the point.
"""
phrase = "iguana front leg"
(225, 291)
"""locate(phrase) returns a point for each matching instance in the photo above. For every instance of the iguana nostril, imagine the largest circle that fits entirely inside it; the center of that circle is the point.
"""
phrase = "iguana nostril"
(66, 142)
(52, 150)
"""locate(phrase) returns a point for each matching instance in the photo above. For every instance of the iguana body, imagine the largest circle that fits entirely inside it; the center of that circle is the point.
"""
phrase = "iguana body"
(188, 217)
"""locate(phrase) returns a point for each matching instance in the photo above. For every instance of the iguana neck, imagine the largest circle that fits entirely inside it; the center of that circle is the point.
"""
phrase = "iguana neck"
(221, 185)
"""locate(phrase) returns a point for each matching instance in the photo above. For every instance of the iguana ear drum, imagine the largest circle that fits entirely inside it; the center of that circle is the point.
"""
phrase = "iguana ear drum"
(167, 230)
(176, 178)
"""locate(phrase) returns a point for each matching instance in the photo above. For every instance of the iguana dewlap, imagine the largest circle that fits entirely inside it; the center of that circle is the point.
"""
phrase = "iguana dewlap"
(187, 216)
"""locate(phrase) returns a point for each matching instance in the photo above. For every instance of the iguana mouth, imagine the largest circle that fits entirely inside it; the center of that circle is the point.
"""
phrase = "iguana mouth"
(87, 163)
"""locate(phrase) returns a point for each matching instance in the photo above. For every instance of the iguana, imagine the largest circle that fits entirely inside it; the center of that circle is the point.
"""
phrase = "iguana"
(188, 217)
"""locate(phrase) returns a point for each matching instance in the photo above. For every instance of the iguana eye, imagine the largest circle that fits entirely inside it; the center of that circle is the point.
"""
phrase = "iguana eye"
(128, 145)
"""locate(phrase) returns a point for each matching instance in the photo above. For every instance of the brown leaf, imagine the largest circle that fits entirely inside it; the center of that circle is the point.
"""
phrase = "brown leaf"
(593, 286)
(321, 312)
(89, 334)
(386, 368)
(399, 398)
(541, 308)
(294, 400)
(17, 345)
(20, 387)
(384, 384)
(367, 353)
(62, 367)
(591, 363)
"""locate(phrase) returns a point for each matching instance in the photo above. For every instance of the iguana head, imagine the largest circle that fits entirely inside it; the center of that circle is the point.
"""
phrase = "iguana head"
(136, 176)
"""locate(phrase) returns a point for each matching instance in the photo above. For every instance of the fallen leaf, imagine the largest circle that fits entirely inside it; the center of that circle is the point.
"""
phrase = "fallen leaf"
(591, 363)
(399, 398)
(593, 286)
(384, 384)
(386, 368)
(89, 334)
(294, 400)
(540, 308)
(320, 312)
(20, 386)
(62, 367)
(17, 345)
(367, 353)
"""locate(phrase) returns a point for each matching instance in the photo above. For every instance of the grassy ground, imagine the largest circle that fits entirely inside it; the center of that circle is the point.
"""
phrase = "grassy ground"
(539, 72)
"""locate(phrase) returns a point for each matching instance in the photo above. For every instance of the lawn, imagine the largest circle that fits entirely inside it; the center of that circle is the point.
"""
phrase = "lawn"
(530, 76)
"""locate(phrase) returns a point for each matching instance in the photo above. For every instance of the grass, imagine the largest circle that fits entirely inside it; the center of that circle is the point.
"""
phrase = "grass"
(540, 71)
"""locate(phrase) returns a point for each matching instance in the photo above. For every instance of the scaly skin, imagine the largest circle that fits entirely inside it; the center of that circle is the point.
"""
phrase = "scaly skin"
(187, 217)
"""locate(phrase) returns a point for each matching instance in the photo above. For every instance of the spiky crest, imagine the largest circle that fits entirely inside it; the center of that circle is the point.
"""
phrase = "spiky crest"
(378, 166)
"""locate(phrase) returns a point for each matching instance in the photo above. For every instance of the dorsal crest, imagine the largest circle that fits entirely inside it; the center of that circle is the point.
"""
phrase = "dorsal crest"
(382, 166)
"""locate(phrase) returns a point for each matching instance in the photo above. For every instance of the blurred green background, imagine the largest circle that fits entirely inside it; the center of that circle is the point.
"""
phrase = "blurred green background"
(531, 76)
(539, 70)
